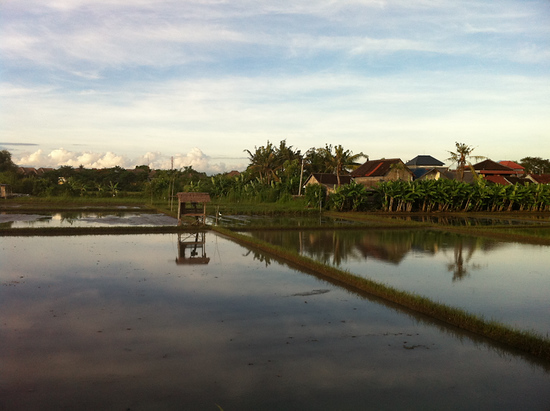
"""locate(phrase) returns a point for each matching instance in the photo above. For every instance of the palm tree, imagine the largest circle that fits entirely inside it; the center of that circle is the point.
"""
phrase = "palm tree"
(341, 161)
(461, 155)
(265, 161)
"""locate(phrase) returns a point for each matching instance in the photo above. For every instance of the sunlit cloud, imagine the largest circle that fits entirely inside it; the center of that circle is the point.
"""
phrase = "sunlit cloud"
(195, 159)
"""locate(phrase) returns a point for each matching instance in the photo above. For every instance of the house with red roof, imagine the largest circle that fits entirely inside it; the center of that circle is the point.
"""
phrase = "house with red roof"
(492, 168)
(539, 178)
(519, 169)
(373, 172)
(503, 172)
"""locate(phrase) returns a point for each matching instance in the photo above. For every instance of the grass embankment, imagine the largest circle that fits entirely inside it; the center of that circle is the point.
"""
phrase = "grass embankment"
(525, 341)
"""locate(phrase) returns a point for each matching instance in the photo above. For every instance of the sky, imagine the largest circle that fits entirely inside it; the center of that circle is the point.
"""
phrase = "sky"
(104, 83)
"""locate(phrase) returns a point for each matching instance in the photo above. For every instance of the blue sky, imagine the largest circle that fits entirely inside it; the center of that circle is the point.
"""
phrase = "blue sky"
(116, 82)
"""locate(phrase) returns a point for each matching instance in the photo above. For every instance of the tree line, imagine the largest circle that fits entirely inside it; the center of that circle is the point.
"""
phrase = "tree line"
(278, 172)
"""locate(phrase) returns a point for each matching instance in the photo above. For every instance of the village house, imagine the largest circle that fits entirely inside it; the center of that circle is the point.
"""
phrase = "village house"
(27, 171)
(426, 167)
(539, 178)
(492, 168)
(327, 180)
(374, 172)
(518, 169)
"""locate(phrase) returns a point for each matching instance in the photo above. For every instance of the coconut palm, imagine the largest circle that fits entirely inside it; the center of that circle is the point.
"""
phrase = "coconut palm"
(341, 161)
(265, 162)
(461, 155)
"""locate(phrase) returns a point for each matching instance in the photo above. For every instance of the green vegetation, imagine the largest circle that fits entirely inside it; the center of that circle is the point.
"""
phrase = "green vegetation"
(461, 156)
(273, 181)
(451, 195)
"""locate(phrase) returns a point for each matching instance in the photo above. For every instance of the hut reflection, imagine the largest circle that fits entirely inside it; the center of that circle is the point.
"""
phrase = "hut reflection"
(191, 248)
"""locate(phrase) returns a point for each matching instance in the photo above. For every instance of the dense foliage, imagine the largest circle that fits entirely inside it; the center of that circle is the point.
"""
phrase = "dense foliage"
(452, 195)
(276, 174)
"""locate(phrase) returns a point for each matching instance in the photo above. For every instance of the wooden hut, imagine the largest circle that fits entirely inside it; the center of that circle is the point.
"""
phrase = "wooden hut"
(193, 205)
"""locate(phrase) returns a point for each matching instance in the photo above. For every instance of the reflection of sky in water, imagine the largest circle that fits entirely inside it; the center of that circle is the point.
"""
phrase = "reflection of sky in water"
(84, 219)
(112, 321)
(508, 282)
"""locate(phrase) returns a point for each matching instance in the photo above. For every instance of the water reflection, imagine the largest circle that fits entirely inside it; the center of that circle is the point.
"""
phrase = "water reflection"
(335, 247)
(84, 219)
(460, 267)
(510, 282)
(109, 322)
(471, 221)
(195, 243)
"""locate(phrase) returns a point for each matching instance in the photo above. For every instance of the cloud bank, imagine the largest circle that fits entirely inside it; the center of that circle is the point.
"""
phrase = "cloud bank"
(155, 160)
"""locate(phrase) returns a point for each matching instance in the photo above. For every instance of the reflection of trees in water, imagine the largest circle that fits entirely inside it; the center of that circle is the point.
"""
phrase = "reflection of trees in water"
(461, 265)
(259, 256)
(337, 246)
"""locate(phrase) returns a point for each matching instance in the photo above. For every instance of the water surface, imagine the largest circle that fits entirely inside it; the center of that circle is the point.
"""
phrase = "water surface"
(505, 281)
(161, 322)
(84, 219)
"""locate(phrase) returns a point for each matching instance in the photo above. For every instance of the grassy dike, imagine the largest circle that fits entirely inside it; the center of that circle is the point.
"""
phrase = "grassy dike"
(526, 341)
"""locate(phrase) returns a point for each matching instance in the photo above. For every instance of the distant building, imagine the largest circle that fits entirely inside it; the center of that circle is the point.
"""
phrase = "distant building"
(424, 162)
(374, 172)
(492, 168)
(233, 173)
(426, 167)
(519, 169)
(27, 171)
(328, 180)
(539, 178)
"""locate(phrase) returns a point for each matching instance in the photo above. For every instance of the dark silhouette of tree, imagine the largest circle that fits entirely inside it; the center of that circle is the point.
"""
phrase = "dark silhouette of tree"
(535, 165)
(6, 163)
(268, 161)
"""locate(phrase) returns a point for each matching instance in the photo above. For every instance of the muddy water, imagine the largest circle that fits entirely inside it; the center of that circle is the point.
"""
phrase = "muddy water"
(196, 322)
(508, 282)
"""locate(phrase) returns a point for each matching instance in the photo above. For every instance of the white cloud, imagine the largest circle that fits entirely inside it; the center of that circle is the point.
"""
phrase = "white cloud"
(195, 158)
(127, 78)
(86, 37)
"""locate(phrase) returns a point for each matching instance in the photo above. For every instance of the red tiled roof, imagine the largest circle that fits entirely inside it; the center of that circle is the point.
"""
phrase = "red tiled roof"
(512, 164)
(541, 178)
(497, 180)
(375, 168)
(492, 167)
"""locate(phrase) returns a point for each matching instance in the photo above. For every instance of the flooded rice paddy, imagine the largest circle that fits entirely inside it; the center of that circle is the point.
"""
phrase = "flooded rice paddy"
(195, 321)
(83, 219)
(505, 281)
